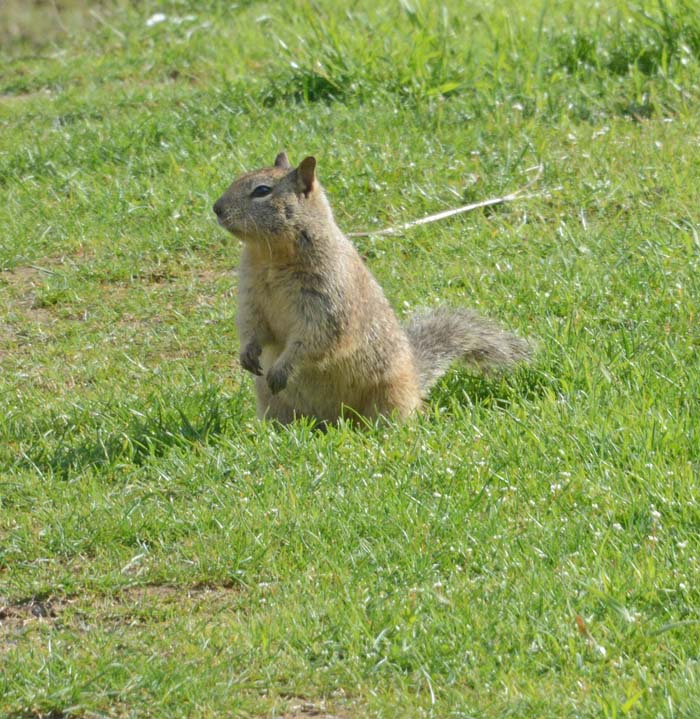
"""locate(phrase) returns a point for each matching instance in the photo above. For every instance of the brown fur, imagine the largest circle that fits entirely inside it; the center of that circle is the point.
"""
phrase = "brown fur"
(314, 324)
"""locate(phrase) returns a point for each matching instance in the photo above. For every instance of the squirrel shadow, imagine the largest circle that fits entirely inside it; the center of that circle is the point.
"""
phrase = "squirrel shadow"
(117, 434)
(490, 390)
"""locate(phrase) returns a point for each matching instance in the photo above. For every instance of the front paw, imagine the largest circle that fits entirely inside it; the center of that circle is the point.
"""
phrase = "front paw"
(250, 358)
(277, 379)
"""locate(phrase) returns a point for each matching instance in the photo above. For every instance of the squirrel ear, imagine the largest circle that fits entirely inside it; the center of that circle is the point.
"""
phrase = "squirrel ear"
(282, 161)
(306, 174)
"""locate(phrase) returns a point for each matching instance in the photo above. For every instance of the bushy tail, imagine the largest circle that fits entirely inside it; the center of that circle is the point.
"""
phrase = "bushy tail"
(439, 337)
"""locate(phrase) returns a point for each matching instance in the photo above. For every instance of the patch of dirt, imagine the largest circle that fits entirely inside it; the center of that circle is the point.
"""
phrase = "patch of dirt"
(19, 614)
(206, 276)
(169, 593)
(124, 606)
(23, 283)
(8, 97)
(302, 709)
(37, 23)
(53, 714)
(21, 276)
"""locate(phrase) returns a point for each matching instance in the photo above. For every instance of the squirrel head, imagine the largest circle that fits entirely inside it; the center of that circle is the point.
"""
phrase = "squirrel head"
(274, 204)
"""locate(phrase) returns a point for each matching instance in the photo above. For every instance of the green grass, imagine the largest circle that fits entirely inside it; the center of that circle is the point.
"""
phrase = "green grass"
(530, 545)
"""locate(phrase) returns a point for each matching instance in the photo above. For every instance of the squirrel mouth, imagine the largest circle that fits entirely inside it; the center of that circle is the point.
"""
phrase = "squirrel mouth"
(226, 224)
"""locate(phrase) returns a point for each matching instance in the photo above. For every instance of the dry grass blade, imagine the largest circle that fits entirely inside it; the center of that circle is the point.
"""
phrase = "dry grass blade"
(516, 195)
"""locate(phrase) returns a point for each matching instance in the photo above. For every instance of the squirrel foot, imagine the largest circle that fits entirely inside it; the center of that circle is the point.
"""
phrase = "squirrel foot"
(250, 358)
(277, 378)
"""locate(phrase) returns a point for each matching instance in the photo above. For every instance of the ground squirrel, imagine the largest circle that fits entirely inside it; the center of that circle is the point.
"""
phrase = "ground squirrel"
(315, 327)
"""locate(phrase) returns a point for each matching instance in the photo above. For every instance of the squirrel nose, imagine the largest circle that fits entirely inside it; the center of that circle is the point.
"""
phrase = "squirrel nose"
(218, 208)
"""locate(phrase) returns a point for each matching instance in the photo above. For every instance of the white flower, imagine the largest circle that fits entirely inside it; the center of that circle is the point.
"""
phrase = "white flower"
(155, 19)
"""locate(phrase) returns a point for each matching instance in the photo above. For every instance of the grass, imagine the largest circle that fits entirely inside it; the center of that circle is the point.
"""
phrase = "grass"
(528, 547)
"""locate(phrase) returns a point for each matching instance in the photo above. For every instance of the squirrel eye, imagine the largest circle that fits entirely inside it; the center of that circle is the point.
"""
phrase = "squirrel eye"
(261, 191)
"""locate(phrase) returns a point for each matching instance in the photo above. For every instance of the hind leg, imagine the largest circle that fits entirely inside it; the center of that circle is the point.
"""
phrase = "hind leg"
(271, 406)
(398, 397)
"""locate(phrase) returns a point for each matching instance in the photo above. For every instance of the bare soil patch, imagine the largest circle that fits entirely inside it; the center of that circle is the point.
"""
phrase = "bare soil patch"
(166, 593)
(53, 714)
(303, 709)
(24, 283)
(124, 606)
(17, 615)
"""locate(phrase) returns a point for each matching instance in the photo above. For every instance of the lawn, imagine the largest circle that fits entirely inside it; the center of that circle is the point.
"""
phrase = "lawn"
(529, 546)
